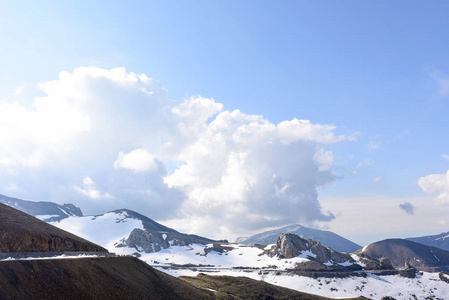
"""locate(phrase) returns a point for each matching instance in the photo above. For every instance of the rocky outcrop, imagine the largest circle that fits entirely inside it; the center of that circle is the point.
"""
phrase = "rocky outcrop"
(153, 241)
(290, 245)
(148, 241)
(370, 263)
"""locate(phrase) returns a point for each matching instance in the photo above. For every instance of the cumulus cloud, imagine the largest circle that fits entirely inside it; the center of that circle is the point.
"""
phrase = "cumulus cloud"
(437, 186)
(211, 169)
(138, 160)
(407, 207)
(445, 156)
(90, 190)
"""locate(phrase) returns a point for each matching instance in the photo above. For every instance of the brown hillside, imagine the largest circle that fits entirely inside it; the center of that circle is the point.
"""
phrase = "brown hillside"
(228, 287)
(91, 278)
(20, 232)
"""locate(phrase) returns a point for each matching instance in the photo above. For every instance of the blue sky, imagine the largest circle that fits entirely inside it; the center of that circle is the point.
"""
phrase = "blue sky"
(376, 70)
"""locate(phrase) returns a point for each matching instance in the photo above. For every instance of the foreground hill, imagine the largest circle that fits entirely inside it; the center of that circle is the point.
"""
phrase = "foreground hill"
(400, 252)
(91, 278)
(228, 287)
(21, 232)
(47, 211)
(439, 240)
(326, 238)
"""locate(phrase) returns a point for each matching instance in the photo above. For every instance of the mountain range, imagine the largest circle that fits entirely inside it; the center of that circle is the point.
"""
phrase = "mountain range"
(326, 238)
(291, 261)
(101, 276)
(439, 240)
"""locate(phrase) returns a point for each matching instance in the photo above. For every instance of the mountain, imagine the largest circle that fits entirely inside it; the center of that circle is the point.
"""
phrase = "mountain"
(313, 269)
(401, 252)
(439, 240)
(123, 227)
(326, 238)
(21, 232)
(103, 277)
(99, 277)
(46, 211)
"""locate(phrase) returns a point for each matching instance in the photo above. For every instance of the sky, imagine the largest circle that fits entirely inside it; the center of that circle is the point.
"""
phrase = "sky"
(227, 118)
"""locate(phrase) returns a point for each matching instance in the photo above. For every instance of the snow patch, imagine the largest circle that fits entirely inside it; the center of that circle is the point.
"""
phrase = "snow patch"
(46, 217)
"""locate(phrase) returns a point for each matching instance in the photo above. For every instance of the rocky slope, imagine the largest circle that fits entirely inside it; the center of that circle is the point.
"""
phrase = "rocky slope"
(320, 258)
(46, 211)
(21, 232)
(326, 238)
(154, 241)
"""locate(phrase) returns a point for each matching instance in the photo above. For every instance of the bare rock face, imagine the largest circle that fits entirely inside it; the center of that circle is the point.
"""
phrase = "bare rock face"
(149, 241)
(153, 241)
(289, 245)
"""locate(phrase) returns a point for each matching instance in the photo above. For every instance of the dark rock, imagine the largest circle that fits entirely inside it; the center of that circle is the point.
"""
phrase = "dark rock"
(154, 241)
(408, 272)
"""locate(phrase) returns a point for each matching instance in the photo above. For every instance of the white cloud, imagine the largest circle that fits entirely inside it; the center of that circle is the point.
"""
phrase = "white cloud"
(245, 171)
(19, 90)
(90, 190)
(373, 145)
(377, 179)
(441, 80)
(366, 162)
(445, 156)
(436, 185)
(138, 160)
(239, 170)
(443, 84)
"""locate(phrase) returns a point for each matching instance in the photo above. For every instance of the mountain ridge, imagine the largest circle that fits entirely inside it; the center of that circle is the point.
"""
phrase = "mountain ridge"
(44, 210)
(438, 240)
(326, 238)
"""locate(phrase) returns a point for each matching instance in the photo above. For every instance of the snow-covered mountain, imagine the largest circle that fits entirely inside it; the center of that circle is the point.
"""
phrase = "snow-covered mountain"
(292, 262)
(326, 238)
(117, 228)
(439, 240)
(46, 211)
